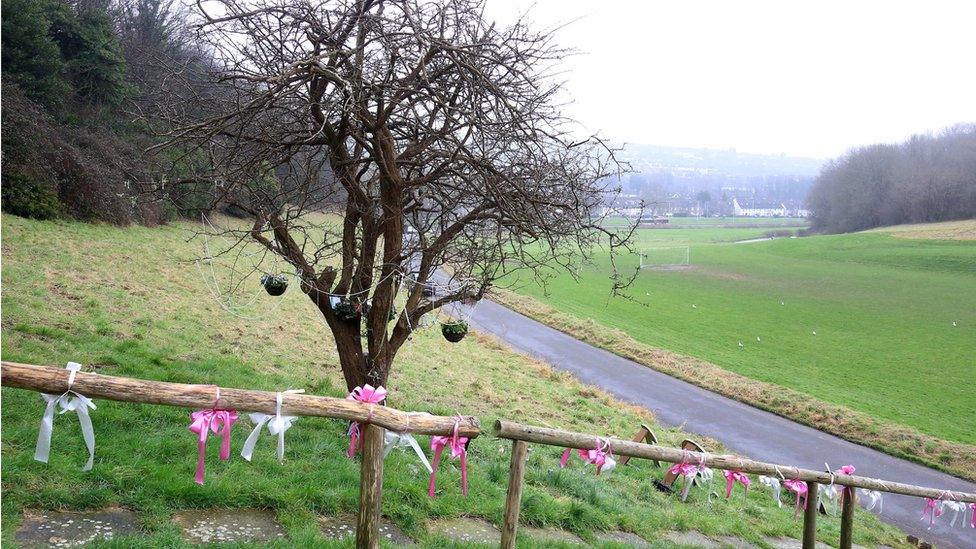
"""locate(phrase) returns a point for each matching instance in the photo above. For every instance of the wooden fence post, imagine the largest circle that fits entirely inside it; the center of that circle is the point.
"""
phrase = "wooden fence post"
(370, 488)
(847, 518)
(516, 477)
(810, 517)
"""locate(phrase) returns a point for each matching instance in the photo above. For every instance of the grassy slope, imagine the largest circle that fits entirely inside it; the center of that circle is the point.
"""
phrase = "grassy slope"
(882, 309)
(126, 301)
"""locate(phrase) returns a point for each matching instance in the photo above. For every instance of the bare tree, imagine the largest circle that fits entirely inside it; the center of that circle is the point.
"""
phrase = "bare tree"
(438, 134)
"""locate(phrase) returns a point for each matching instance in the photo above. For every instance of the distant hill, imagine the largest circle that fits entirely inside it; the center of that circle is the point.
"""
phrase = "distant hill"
(656, 159)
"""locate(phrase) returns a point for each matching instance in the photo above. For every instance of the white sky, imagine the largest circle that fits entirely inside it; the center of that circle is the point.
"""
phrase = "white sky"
(810, 78)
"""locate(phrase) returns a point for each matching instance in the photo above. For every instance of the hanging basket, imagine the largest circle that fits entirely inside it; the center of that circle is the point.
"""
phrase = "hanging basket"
(454, 331)
(274, 284)
(347, 311)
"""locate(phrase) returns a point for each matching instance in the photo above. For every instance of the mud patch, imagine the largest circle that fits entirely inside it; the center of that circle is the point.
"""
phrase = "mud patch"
(228, 525)
(75, 528)
(692, 538)
(345, 526)
(622, 537)
(549, 534)
(467, 530)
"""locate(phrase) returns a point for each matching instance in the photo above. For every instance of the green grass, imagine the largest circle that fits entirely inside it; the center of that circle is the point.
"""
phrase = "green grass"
(127, 302)
(882, 309)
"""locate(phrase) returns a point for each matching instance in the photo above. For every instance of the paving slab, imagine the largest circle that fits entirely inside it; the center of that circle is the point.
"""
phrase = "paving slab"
(736, 543)
(75, 528)
(228, 525)
(790, 543)
(467, 530)
(550, 534)
(692, 538)
(618, 536)
(345, 526)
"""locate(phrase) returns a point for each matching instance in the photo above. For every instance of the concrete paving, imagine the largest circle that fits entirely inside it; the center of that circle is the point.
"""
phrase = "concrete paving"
(742, 428)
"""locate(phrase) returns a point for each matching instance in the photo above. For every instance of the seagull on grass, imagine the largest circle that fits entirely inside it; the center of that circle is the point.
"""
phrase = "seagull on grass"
(757, 338)
(953, 323)
(741, 345)
(693, 306)
(814, 332)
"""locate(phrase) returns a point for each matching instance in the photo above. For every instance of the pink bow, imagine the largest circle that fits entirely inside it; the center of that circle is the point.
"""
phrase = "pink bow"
(369, 395)
(932, 509)
(218, 421)
(845, 470)
(601, 455)
(459, 449)
(731, 477)
(798, 487)
(684, 469)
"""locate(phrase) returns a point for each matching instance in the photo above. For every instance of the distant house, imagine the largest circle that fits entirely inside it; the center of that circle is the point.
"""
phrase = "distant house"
(770, 210)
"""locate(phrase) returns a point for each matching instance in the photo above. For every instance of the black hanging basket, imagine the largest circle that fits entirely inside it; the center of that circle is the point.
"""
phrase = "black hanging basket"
(274, 284)
(454, 331)
(348, 311)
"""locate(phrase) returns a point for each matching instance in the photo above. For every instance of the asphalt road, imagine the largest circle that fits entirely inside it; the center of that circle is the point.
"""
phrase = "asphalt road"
(745, 430)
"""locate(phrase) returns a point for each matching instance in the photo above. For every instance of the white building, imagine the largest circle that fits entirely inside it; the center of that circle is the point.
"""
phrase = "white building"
(739, 211)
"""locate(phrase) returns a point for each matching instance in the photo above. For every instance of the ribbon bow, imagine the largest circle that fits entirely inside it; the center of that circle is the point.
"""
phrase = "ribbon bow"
(369, 395)
(459, 449)
(218, 421)
(798, 487)
(277, 425)
(404, 440)
(69, 401)
(689, 471)
(957, 508)
(773, 483)
(601, 455)
(932, 509)
(872, 499)
(731, 477)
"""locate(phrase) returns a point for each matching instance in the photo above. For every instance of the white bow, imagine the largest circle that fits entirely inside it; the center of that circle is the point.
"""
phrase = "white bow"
(872, 499)
(608, 464)
(773, 483)
(69, 401)
(402, 440)
(830, 495)
(277, 425)
(957, 508)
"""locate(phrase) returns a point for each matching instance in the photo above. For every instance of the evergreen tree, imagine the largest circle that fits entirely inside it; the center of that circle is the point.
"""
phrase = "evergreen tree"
(30, 57)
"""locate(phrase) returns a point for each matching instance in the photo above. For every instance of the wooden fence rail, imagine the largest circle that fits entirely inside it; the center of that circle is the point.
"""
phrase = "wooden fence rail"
(375, 418)
(520, 434)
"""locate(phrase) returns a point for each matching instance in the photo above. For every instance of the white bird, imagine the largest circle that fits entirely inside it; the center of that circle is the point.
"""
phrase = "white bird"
(741, 345)
(693, 306)
(782, 303)
(814, 332)
(953, 322)
(757, 338)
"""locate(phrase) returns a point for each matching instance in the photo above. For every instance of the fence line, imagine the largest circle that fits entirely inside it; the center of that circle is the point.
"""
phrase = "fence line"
(520, 433)
(375, 418)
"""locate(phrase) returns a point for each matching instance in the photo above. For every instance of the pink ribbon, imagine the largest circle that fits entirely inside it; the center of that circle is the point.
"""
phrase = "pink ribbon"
(731, 477)
(845, 470)
(798, 487)
(218, 421)
(932, 509)
(369, 395)
(601, 455)
(459, 449)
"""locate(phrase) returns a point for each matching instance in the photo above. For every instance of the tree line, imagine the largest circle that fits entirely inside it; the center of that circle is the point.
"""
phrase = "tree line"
(928, 178)
(74, 74)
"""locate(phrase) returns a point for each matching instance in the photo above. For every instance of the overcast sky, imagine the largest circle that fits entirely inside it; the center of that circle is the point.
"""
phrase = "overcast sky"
(810, 78)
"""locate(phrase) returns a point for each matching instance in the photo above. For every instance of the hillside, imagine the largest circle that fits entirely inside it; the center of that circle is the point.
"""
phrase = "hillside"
(129, 302)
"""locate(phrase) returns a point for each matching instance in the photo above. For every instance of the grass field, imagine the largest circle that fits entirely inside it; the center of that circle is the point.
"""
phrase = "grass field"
(127, 302)
(862, 321)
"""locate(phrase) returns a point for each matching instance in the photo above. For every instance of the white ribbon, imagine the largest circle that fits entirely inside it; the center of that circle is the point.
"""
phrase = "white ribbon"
(773, 483)
(77, 403)
(402, 440)
(277, 425)
(957, 508)
(872, 499)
